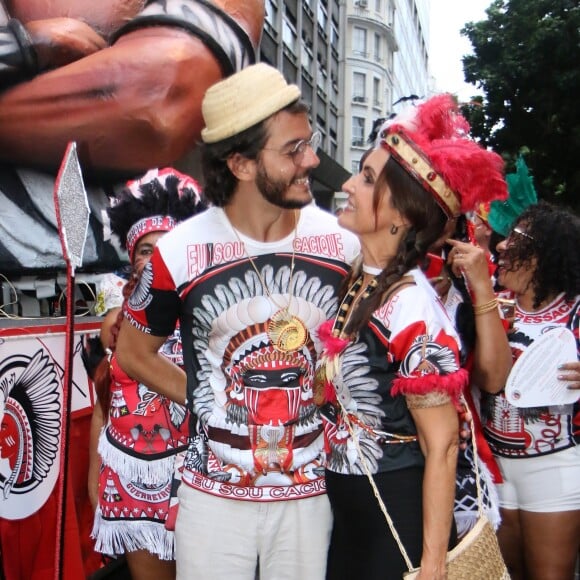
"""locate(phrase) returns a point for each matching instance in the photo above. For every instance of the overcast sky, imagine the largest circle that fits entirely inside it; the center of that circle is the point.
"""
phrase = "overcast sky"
(447, 46)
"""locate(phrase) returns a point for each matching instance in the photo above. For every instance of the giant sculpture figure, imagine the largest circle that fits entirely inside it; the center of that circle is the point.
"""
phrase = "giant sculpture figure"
(122, 78)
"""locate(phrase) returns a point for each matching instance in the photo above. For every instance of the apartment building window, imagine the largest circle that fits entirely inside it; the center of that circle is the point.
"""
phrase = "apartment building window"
(359, 81)
(377, 47)
(354, 166)
(289, 35)
(359, 41)
(358, 131)
(271, 12)
(306, 59)
(377, 92)
(334, 36)
(391, 13)
(322, 16)
(321, 77)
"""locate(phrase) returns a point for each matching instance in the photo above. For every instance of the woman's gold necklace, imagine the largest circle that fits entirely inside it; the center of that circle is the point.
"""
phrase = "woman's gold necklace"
(286, 332)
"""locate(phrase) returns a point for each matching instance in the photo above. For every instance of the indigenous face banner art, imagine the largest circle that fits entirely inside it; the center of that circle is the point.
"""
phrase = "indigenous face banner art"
(31, 415)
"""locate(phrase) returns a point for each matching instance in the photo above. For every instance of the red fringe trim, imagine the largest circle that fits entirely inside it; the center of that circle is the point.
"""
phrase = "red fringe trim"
(451, 384)
(332, 344)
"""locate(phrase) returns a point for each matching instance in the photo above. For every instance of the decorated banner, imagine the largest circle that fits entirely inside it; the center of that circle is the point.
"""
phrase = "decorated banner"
(31, 417)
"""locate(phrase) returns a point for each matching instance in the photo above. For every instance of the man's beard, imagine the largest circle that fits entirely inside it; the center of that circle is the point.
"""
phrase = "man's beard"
(274, 190)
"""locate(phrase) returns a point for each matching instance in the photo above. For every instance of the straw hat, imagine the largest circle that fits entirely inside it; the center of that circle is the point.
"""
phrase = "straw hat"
(243, 100)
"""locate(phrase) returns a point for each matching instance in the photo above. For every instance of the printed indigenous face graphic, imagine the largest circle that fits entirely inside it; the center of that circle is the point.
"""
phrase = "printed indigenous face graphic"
(31, 403)
(256, 402)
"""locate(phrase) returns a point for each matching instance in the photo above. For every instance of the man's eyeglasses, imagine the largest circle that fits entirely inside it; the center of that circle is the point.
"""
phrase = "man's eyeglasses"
(299, 149)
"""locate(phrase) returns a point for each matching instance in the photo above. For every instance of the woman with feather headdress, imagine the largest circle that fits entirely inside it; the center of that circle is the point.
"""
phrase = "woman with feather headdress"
(390, 379)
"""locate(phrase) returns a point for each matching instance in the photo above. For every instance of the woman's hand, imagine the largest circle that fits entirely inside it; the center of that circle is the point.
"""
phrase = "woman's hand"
(432, 572)
(470, 261)
(571, 374)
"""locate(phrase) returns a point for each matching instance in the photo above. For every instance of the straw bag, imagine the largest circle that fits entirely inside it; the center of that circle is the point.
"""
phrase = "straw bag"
(476, 557)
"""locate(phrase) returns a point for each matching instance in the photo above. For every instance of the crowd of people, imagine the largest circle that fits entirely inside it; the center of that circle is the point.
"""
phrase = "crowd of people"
(326, 372)
(284, 393)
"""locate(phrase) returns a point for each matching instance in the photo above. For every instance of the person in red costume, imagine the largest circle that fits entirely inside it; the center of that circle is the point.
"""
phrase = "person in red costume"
(130, 478)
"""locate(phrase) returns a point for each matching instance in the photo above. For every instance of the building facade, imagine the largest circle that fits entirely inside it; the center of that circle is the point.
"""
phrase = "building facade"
(355, 61)
(386, 66)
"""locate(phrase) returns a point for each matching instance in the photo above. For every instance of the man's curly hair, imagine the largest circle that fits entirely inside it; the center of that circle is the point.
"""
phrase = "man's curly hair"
(554, 243)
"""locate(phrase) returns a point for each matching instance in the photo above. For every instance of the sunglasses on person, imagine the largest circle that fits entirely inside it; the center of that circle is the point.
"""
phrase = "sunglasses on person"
(518, 233)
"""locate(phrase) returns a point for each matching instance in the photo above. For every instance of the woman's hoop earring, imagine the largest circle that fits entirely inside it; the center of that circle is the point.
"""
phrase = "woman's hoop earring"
(394, 230)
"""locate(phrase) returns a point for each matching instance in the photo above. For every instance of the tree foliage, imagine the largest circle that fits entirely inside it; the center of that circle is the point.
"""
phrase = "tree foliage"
(526, 60)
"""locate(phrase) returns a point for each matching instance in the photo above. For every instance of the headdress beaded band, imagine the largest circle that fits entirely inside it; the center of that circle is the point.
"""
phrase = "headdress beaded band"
(407, 153)
(433, 146)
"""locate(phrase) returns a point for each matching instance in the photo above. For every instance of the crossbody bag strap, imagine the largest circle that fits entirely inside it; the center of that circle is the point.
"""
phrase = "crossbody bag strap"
(377, 494)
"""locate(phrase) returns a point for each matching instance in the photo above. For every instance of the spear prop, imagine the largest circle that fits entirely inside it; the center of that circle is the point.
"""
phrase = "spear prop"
(72, 216)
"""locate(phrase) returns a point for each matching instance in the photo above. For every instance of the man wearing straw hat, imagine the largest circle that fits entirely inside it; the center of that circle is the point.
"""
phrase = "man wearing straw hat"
(250, 280)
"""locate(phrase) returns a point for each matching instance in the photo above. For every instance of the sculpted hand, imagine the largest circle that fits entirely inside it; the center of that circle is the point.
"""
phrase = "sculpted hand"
(60, 41)
(571, 373)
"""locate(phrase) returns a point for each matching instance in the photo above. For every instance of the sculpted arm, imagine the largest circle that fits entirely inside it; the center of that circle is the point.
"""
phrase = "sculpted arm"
(130, 107)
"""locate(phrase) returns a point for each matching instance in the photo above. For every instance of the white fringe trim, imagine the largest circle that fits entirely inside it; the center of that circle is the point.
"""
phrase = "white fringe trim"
(147, 471)
(118, 537)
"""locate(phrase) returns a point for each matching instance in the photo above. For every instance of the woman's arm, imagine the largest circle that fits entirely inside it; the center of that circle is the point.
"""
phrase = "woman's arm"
(492, 359)
(109, 321)
(437, 431)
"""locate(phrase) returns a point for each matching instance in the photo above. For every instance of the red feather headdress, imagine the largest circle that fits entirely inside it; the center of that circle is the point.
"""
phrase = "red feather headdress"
(434, 147)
